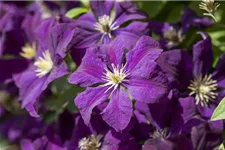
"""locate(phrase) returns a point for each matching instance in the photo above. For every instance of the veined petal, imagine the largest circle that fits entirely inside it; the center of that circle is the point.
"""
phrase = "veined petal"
(89, 99)
(61, 35)
(115, 51)
(90, 71)
(127, 11)
(202, 55)
(119, 110)
(101, 8)
(32, 94)
(178, 66)
(145, 50)
(150, 89)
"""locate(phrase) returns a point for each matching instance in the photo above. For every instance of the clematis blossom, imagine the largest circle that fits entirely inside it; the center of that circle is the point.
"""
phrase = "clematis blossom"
(120, 78)
(48, 65)
(105, 22)
(174, 34)
(194, 78)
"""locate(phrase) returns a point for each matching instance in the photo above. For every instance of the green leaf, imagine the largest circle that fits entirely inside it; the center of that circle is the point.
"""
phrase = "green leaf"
(221, 147)
(72, 13)
(219, 112)
(86, 3)
(3, 142)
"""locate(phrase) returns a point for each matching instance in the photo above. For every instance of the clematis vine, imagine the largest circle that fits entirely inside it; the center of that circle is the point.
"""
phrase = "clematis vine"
(120, 78)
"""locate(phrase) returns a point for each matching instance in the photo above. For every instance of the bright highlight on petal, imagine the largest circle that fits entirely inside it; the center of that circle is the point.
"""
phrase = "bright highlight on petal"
(204, 89)
(115, 77)
(28, 51)
(44, 64)
(105, 25)
(91, 142)
(210, 6)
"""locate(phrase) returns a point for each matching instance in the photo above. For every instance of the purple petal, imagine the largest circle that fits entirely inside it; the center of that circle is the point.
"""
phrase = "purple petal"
(31, 88)
(119, 110)
(188, 108)
(146, 50)
(33, 92)
(205, 136)
(101, 8)
(159, 27)
(84, 38)
(26, 144)
(158, 144)
(219, 73)
(8, 68)
(119, 141)
(202, 55)
(190, 18)
(150, 87)
(90, 71)
(89, 99)
(178, 66)
(132, 33)
(61, 35)
(43, 34)
(115, 51)
(29, 25)
(127, 11)
(206, 111)
(88, 17)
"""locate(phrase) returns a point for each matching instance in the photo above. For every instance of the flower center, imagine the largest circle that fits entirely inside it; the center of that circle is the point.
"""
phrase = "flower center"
(209, 5)
(28, 51)
(91, 142)
(204, 89)
(160, 134)
(105, 25)
(44, 64)
(174, 37)
(115, 77)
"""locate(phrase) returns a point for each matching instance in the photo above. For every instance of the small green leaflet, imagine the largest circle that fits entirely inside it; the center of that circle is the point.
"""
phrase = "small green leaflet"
(219, 112)
(221, 147)
(72, 13)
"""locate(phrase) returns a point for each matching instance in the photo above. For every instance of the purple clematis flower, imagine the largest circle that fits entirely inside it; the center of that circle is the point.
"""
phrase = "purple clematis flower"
(105, 23)
(48, 64)
(174, 34)
(206, 137)
(21, 126)
(11, 40)
(207, 88)
(98, 135)
(120, 77)
(162, 129)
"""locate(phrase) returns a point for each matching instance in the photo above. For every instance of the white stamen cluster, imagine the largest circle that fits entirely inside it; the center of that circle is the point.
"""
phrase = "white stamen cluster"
(115, 77)
(204, 89)
(91, 142)
(210, 6)
(44, 64)
(28, 51)
(105, 25)
(159, 134)
(175, 37)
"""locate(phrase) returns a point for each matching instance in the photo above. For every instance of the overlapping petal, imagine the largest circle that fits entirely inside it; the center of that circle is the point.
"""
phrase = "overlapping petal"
(119, 110)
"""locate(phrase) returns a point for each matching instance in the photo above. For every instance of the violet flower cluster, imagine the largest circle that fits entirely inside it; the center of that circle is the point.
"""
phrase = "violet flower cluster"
(100, 81)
